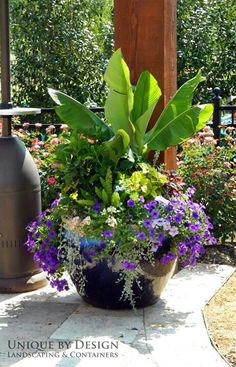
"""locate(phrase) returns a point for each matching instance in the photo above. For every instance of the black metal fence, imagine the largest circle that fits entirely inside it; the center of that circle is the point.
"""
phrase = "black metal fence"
(219, 109)
(48, 116)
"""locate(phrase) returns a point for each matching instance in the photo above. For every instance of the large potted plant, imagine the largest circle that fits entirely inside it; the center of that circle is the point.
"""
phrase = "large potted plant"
(120, 222)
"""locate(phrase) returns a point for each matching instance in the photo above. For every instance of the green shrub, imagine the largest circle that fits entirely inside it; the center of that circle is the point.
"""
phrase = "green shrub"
(65, 44)
(206, 39)
(62, 44)
(211, 170)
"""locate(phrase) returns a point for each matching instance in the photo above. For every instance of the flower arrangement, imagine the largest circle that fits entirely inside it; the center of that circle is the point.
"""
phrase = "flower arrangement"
(135, 230)
(113, 202)
(210, 168)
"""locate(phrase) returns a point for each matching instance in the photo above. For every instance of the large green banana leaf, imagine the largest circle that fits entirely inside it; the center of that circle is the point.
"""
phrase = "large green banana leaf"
(117, 112)
(182, 101)
(119, 103)
(79, 117)
(180, 128)
(116, 147)
(117, 74)
(146, 96)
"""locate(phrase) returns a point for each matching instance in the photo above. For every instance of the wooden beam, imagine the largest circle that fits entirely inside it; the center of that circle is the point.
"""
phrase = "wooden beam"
(145, 30)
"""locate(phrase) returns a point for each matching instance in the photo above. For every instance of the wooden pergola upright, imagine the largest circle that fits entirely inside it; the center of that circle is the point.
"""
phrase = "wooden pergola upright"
(145, 30)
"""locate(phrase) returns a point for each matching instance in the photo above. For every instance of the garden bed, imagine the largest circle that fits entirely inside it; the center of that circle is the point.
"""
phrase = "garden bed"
(222, 328)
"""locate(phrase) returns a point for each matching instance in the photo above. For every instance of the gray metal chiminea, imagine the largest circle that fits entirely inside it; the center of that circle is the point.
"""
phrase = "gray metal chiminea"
(20, 192)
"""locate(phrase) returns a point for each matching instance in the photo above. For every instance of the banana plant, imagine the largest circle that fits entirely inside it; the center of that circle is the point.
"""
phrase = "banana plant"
(128, 110)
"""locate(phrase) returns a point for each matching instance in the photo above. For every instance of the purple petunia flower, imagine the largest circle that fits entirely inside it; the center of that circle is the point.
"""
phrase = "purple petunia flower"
(210, 226)
(49, 223)
(194, 227)
(197, 237)
(102, 246)
(130, 203)
(169, 207)
(141, 199)
(156, 246)
(128, 265)
(177, 218)
(155, 214)
(195, 215)
(141, 236)
(30, 244)
(97, 206)
(60, 284)
(55, 203)
(153, 204)
(161, 236)
(167, 258)
(152, 232)
(52, 234)
(147, 207)
(147, 223)
(107, 234)
(182, 248)
(43, 214)
(190, 191)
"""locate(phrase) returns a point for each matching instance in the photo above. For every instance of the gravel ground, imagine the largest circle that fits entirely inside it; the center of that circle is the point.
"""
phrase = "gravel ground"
(220, 312)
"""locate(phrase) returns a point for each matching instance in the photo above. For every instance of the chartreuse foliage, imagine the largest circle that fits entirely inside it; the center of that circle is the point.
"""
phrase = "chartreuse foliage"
(147, 181)
(128, 110)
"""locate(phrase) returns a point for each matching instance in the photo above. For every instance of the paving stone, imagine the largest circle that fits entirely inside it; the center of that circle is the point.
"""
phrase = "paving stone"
(170, 333)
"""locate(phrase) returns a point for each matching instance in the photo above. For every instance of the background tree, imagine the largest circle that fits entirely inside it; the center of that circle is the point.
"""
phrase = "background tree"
(64, 44)
(206, 39)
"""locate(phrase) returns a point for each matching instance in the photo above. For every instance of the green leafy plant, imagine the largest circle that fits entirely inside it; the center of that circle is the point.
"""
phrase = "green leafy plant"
(205, 39)
(128, 110)
(65, 44)
(114, 203)
(42, 145)
(210, 168)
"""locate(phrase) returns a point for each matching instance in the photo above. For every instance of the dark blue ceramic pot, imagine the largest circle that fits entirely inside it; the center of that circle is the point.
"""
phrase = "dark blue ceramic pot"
(103, 287)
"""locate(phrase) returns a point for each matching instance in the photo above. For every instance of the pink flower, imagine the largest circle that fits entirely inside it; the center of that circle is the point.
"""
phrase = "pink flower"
(227, 164)
(64, 127)
(51, 180)
(209, 139)
(55, 141)
(37, 161)
(26, 125)
(50, 128)
(35, 141)
(38, 125)
(35, 147)
(191, 141)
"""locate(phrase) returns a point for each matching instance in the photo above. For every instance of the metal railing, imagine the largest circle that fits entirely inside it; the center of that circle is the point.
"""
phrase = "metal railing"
(217, 114)
(48, 116)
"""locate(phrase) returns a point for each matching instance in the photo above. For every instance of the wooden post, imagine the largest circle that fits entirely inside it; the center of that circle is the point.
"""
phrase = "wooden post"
(145, 30)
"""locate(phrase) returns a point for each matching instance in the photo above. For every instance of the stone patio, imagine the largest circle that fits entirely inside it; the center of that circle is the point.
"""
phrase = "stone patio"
(72, 333)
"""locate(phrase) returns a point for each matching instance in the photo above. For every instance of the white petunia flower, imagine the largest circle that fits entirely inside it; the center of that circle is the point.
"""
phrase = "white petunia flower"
(111, 209)
(111, 221)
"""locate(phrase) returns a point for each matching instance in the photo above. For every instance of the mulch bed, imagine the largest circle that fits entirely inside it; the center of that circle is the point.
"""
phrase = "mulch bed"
(220, 312)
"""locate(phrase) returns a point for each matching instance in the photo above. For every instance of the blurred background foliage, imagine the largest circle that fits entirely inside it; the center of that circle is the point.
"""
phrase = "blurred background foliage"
(206, 39)
(65, 44)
